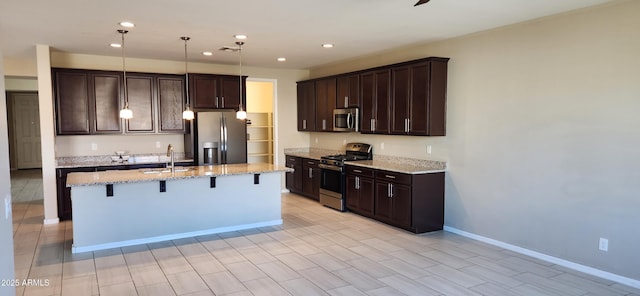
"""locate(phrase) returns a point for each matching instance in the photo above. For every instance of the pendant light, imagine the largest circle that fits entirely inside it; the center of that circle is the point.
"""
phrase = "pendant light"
(187, 113)
(125, 113)
(241, 114)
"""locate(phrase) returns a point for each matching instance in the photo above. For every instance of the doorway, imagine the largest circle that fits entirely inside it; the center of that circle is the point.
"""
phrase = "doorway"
(261, 120)
(24, 130)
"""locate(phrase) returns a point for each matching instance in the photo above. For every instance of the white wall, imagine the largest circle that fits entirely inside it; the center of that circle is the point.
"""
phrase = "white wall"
(6, 223)
(542, 134)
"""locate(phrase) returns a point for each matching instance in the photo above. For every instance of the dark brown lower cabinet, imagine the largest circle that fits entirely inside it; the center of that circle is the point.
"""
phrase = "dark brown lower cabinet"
(311, 179)
(305, 180)
(414, 202)
(360, 191)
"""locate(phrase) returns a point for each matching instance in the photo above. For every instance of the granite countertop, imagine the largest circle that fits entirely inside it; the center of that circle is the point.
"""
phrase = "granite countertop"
(402, 165)
(379, 162)
(105, 160)
(146, 175)
(311, 153)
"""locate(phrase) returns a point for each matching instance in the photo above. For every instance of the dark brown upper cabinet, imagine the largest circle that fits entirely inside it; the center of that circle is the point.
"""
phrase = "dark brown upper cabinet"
(86, 102)
(209, 91)
(306, 106)
(89, 102)
(418, 101)
(171, 96)
(348, 91)
(325, 103)
(375, 90)
(140, 93)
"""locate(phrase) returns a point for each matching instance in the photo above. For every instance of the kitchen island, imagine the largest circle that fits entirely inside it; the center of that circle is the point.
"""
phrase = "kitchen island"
(120, 208)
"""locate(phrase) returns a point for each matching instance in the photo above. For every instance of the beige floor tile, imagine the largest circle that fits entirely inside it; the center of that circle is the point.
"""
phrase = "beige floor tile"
(113, 275)
(122, 289)
(265, 287)
(206, 264)
(302, 287)
(173, 265)
(407, 286)
(446, 287)
(78, 268)
(372, 268)
(160, 289)
(323, 278)
(245, 271)
(405, 268)
(346, 291)
(327, 261)
(358, 279)
(296, 261)
(80, 285)
(187, 282)
(147, 275)
(279, 271)
(222, 283)
(257, 255)
(455, 276)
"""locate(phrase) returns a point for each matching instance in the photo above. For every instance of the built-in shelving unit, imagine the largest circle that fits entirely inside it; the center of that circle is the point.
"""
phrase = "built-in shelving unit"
(260, 137)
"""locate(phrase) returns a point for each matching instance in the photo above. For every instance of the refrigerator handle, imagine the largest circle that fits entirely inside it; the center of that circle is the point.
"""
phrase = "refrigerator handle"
(223, 140)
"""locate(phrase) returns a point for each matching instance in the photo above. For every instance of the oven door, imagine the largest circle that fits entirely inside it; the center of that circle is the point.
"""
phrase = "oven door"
(332, 186)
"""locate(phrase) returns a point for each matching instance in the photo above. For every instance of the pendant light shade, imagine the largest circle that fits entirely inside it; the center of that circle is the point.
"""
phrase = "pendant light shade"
(125, 113)
(241, 114)
(187, 113)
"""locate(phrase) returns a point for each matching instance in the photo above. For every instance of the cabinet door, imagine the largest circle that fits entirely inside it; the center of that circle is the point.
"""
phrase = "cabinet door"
(72, 102)
(348, 91)
(140, 95)
(400, 99)
(383, 202)
(325, 103)
(171, 104)
(352, 195)
(230, 92)
(375, 90)
(306, 106)
(428, 84)
(311, 181)
(203, 91)
(366, 196)
(106, 93)
(401, 205)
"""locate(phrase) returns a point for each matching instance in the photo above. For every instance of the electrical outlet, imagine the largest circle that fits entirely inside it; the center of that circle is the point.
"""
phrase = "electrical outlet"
(344, 141)
(158, 144)
(428, 149)
(316, 140)
(603, 244)
(94, 146)
(382, 146)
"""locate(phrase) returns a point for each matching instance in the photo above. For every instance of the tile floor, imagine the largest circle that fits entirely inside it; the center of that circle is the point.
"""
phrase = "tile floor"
(317, 251)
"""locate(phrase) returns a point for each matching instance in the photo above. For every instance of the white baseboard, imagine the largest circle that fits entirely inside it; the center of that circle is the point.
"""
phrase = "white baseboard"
(555, 260)
(51, 221)
(147, 240)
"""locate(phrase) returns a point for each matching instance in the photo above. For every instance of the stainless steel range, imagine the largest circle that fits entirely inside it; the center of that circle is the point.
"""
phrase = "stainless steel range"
(333, 175)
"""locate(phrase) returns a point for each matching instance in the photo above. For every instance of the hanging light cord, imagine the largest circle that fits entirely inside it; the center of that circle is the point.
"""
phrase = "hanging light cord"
(186, 71)
(124, 71)
(239, 43)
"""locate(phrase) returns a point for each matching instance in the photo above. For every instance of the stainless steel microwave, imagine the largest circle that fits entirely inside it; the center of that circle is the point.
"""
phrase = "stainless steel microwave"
(346, 120)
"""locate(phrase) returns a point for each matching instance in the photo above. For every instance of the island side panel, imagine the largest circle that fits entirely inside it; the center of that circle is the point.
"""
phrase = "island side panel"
(139, 213)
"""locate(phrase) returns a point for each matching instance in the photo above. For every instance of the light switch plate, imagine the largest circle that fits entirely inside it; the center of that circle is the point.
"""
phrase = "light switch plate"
(158, 144)
(94, 146)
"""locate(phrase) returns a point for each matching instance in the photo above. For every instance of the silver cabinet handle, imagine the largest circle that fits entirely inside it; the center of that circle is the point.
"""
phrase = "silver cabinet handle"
(222, 102)
(390, 190)
(324, 124)
(310, 173)
(357, 171)
(357, 182)
(217, 101)
(346, 101)
(304, 124)
(408, 125)
(311, 162)
(373, 124)
(390, 177)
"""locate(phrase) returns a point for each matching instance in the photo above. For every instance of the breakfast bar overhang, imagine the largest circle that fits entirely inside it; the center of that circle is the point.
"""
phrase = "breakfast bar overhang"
(121, 208)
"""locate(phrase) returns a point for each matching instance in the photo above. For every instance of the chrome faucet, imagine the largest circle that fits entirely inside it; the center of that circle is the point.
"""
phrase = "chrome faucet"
(170, 154)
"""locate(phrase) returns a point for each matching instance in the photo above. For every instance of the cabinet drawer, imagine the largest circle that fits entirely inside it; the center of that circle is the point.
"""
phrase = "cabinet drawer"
(360, 171)
(292, 161)
(393, 177)
(310, 162)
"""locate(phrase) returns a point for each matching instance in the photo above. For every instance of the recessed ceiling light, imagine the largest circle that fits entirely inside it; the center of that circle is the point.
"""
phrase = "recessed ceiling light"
(116, 45)
(207, 53)
(127, 24)
(327, 45)
(240, 36)
(281, 59)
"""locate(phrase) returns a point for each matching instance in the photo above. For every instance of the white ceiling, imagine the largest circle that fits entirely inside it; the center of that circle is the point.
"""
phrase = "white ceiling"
(294, 29)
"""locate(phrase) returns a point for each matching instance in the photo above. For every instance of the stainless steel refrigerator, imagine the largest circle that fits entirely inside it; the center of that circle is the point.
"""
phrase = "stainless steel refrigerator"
(220, 128)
